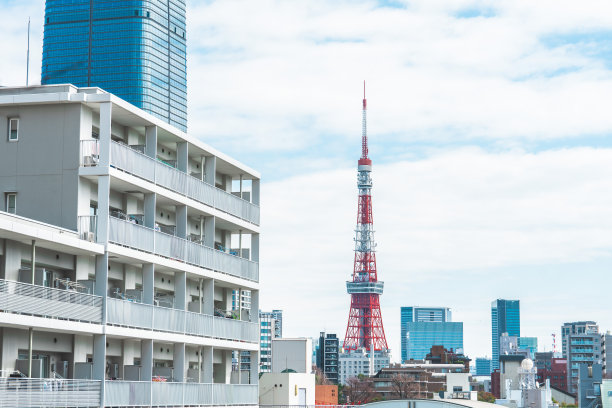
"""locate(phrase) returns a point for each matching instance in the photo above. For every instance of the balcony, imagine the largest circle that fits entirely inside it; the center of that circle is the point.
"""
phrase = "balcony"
(137, 164)
(46, 392)
(138, 237)
(34, 300)
(135, 393)
(149, 317)
(581, 342)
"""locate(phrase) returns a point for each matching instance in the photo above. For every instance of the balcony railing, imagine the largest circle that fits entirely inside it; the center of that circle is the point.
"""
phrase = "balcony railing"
(146, 239)
(133, 162)
(46, 392)
(143, 316)
(136, 393)
(34, 300)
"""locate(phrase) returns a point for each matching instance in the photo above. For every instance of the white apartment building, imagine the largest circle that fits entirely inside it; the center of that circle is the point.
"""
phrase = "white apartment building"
(358, 362)
(117, 267)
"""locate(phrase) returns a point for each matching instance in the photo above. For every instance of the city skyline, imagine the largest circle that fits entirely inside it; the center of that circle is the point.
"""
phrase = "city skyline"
(492, 175)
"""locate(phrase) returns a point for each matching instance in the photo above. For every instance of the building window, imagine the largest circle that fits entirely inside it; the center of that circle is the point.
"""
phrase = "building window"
(13, 130)
(11, 203)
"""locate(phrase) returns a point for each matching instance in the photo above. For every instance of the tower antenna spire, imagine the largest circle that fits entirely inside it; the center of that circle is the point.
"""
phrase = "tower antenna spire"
(364, 129)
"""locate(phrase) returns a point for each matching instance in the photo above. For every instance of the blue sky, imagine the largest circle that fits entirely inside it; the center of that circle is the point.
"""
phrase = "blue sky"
(490, 133)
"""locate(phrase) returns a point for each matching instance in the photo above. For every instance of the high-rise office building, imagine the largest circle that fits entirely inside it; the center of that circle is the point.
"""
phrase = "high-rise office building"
(425, 327)
(530, 344)
(327, 356)
(483, 366)
(136, 50)
(271, 327)
(581, 346)
(505, 318)
(110, 277)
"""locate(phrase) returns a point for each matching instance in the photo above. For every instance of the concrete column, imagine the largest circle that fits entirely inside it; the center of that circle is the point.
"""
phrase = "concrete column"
(148, 283)
(149, 209)
(99, 357)
(101, 286)
(182, 156)
(12, 260)
(151, 141)
(202, 167)
(207, 364)
(179, 362)
(103, 209)
(209, 232)
(180, 290)
(146, 360)
(208, 293)
(210, 170)
(227, 240)
(227, 366)
(254, 374)
(254, 313)
(255, 192)
(255, 247)
(105, 133)
(181, 221)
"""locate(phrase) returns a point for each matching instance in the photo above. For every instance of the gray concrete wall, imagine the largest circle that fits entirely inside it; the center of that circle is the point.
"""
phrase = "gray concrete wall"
(42, 167)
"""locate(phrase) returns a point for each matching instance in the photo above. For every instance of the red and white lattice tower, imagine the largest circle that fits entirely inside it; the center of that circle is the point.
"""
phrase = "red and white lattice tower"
(365, 326)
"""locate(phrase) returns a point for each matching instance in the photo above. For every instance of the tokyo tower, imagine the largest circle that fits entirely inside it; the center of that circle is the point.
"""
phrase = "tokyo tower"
(365, 326)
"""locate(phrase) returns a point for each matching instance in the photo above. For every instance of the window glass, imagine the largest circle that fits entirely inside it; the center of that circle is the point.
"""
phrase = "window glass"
(13, 129)
(11, 203)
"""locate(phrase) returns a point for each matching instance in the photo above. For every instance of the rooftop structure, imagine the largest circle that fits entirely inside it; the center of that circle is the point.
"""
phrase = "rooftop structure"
(117, 269)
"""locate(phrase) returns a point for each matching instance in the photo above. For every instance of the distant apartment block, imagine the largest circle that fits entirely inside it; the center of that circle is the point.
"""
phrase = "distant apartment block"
(581, 346)
(505, 318)
(359, 362)
(271, 327)
(116, 264)
(327, 356)
(424, 327)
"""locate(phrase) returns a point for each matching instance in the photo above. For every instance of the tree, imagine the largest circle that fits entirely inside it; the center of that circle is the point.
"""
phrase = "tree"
(358, 391)
(486, 397)
(405, 387)
(320, 377)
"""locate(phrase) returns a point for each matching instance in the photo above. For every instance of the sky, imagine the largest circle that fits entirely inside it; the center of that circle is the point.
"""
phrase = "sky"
(489, 131)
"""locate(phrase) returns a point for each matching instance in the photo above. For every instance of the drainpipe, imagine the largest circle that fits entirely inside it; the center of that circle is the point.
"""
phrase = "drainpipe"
(202, 168)
(33, 260)
(241, 186)
(240, 241)
(31, 334)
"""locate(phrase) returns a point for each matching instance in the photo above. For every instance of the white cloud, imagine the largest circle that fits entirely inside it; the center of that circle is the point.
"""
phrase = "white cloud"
(457, 229)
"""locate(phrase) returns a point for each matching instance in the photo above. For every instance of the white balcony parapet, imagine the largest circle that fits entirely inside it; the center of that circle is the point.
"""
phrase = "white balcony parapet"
(139, 393)
(34, 300)
(140, 165)
(149, 317)
(146, 239)
(48, 392)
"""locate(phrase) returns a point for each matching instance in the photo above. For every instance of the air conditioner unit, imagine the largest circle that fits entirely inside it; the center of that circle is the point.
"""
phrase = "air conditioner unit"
(91, 160)
(88, 236)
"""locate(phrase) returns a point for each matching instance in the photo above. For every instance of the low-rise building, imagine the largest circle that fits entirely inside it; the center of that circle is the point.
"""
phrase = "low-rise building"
(556, 373)
(287, 389)
(292, 355)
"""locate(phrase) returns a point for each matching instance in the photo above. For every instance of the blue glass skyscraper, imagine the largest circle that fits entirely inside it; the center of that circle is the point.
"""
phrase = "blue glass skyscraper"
(424, 327)
(135, 49)
(505, 318)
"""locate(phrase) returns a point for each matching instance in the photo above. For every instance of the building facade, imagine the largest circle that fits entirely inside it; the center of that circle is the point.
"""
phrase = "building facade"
(606, 354)
(505, 318)
(424, 327)
(114, 289)
(271, 327)
(581, 343)
(358, 362)
(589, 386)
(327, 356)
(483, 366)
(555, 371)
(530, 344)
(136, 50)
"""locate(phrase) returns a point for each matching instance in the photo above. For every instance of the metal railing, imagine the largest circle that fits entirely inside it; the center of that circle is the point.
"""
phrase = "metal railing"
(143, 316)
(138, 393)
(146, 239)
(34, 300)
(131, 161)
(48, 392)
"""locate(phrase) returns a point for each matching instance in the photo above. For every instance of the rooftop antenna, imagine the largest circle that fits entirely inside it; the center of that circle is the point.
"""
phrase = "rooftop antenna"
(28, 55)
(364, 134)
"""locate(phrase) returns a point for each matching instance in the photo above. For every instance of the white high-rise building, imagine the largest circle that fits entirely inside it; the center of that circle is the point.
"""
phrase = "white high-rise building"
(116, 261)
(360, 362)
